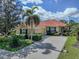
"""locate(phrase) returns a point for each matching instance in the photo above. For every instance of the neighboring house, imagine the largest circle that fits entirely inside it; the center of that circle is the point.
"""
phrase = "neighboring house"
(45, 27)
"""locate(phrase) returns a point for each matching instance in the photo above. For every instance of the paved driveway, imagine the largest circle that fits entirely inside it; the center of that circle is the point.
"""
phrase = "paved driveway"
(48, 49)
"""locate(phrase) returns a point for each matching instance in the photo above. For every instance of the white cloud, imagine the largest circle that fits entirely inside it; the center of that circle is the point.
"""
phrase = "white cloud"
(70, 11)
(25, 7)
(35, 1)
(32, 1)
(76, 15)
(58, 15)
(44, 15)
(67, 12)
(56, 1)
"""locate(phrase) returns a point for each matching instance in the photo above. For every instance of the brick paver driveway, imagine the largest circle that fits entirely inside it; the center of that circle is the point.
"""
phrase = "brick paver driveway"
(48, 49)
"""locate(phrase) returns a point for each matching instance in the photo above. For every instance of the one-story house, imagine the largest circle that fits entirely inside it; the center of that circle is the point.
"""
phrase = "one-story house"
(52, 26)
(45, 27)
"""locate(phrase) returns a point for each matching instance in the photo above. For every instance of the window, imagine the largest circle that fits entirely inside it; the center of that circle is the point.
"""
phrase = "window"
(53, 29)
(23, 31)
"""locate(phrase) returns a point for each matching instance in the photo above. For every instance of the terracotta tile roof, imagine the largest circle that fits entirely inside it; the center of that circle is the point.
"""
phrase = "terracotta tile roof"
(53, 23)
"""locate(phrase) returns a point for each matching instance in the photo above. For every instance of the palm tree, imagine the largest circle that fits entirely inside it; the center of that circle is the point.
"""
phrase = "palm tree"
(32, 19)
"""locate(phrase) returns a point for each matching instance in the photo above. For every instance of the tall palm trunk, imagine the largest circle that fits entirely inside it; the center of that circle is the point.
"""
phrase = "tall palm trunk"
(32, 27)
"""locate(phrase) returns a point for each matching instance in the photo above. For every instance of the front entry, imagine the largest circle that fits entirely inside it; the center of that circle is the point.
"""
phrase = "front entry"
(50, 30)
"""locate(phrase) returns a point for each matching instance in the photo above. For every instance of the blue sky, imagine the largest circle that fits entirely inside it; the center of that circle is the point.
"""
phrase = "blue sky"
(60, 5)
(55, 8)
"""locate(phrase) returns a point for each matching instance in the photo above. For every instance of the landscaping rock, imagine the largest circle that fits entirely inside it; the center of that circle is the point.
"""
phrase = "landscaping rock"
(65, 51)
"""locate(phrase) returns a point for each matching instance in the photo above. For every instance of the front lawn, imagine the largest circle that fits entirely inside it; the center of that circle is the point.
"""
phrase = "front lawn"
(73, 53)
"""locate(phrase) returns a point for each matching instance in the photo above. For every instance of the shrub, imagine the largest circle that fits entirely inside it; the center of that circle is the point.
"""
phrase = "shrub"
(37, 37)
(26, 36)
(4, 39)
(57, 34)
(12, 32)
(14, 42)
(20, 37)
(66, 34)
(26, 42)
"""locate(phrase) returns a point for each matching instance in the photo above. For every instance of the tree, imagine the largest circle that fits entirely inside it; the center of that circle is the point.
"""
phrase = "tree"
(10, 14)
(32, 19)
(2, 25)
(64, 21)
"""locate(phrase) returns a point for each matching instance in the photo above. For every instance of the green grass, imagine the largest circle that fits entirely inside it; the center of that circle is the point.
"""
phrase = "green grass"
(73, 53)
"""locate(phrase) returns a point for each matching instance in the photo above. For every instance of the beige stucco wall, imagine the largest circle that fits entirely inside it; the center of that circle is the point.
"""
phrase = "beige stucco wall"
(20, 26)
(40, 30)
(23, 26)
(58, 29)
